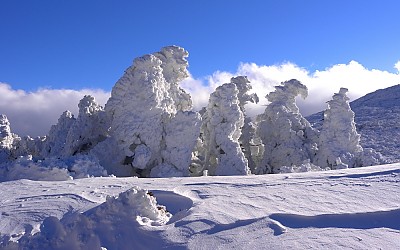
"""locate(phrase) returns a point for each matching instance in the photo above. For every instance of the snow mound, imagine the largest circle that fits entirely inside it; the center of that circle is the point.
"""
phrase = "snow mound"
(119, 223)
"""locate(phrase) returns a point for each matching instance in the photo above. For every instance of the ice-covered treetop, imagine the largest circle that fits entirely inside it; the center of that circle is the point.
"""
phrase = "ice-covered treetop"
(152, 83)
(174, 63)
(5, 129)
(342, 95)
(286, 93)
(88, 105)
(339, 106)
(243, 86)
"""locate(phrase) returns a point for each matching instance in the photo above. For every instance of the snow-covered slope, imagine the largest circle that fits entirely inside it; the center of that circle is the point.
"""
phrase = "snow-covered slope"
(343, 209)
(377, 117)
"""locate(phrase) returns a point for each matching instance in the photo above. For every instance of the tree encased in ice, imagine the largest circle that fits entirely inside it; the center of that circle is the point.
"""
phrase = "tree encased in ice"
(339, 143)
(221, 128)
(143, 102)
(287, 136)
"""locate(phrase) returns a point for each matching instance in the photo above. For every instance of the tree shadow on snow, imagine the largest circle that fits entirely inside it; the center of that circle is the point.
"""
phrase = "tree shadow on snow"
(370, 220)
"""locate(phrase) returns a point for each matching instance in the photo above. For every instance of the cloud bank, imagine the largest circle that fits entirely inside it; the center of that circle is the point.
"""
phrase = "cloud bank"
(32, 113)
(321, 84)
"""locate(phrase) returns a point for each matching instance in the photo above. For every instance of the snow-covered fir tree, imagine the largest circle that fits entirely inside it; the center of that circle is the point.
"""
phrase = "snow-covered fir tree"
(288, 138)
(339, 143)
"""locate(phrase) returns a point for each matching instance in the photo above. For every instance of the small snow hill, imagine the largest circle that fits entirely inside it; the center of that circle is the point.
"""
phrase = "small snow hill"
(377, 117)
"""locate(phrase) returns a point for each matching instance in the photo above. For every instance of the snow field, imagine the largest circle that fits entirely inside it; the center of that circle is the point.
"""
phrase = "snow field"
(351, 208)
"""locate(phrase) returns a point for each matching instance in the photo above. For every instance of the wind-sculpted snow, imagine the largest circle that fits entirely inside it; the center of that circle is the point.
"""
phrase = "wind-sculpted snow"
(115, 224)
(288, 138)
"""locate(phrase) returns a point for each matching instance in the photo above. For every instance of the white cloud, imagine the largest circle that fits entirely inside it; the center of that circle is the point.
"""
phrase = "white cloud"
(32, 113)
(397, 66)
(321, 84)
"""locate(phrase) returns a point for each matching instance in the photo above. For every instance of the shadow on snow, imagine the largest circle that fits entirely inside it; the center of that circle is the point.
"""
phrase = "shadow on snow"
(369, 220)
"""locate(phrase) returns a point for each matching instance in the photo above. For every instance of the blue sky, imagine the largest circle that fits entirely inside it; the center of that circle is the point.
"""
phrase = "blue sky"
(52, 52)
(76, 44)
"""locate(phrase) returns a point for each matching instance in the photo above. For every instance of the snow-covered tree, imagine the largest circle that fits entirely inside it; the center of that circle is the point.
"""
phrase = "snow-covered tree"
(248, 138)
(287, 136)
(221, 130)
(88, 129)
(27, 145)
(143, 101)
(6, 139)
(339, 143)
(55, 141)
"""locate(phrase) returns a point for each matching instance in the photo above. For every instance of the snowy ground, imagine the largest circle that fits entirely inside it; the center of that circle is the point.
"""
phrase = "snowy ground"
(344, 209)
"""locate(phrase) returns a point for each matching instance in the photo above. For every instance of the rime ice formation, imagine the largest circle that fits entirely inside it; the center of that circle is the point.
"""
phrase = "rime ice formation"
(174, 66)
(88, 129)
(339, 142)
(287, 136)
(221, 129)
(143, 101)
(248, 140)
(55, 141)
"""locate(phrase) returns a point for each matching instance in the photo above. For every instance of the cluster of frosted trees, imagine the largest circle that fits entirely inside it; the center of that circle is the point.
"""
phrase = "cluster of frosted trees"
(148, 129)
